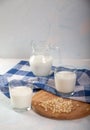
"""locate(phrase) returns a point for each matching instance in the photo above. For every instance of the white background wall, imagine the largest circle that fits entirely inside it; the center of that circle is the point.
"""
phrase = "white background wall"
(64, 22)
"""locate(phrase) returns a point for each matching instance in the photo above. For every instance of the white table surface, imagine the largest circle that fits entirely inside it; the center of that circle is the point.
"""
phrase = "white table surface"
(11, 120)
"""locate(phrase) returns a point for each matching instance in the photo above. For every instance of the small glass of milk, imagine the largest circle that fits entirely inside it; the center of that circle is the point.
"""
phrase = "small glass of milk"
(65, 81)
(20, 95)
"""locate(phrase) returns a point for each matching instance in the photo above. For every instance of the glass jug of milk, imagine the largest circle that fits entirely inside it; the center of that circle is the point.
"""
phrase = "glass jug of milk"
(40, 60)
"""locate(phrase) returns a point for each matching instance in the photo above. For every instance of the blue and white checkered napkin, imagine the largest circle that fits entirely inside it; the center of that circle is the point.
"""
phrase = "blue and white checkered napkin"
(22, 71)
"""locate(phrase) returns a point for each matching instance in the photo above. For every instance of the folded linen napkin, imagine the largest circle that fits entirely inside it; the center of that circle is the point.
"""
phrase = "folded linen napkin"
(21, 71)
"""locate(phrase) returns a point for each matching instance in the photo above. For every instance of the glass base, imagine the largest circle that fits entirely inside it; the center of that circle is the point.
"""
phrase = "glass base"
(21, 109)
(66, 94)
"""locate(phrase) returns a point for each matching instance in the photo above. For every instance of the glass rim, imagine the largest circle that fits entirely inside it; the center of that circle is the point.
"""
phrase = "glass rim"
(18, 83)
(66, 68)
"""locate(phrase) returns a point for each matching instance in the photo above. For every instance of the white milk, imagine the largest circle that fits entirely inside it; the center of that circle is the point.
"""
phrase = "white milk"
(65, 81)
(20, 97)
(41, 65)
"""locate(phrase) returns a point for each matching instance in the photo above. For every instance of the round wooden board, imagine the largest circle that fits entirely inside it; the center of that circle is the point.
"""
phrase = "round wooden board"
(51, 106)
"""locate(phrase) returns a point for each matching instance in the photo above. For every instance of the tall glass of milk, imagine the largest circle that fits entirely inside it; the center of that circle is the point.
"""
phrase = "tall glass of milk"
(40, 59)
(20, 95)
(65, 81)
